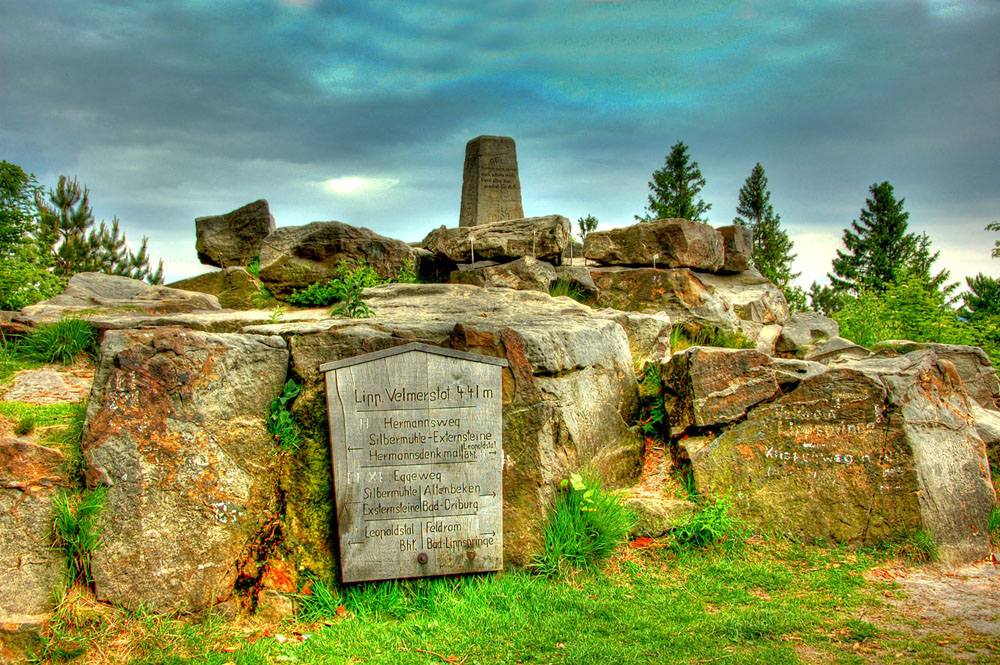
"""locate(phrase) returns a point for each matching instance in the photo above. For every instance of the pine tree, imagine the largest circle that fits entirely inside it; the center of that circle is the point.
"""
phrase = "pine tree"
(17, 210)
(675, 189)
(772, 249)
(983, 296)
(66, 229)
(879, 250)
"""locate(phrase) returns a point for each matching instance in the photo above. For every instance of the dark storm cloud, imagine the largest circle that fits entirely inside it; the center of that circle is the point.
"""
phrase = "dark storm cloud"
(170, 110)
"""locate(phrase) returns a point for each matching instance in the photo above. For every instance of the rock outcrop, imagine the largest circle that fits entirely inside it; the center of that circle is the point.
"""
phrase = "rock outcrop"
(233, 239)
(544, 238)
(90, 293)
(294, 257)
(971, 362)
(675, 243)
(31, 570)
(176, 428)
(234, 287)
(738, 247)
(870, 451)
(524, 274)
(804, 329)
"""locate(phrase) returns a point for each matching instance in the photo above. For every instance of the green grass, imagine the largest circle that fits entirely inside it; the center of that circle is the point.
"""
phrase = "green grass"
(565, 287)
(76, 532)
(45, 415)
(994, 524)
(709, 526)
(280, 423)
(916, 548)
(682, 338)
(58, 342)
(774, 602)
(584, 527)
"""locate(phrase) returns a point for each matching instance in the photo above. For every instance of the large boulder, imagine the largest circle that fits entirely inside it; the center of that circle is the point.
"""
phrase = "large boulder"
(569, 395)
(578, 279)
(293, 257)
(675, 243)
(543, 238)
(738, 246)
(972, 363)
(233, 239)
(868, 452)
(92, 293)
(524, 274)
(987, 423)
(706, 386)
(31, 570)
(834, 351)
(804, 329)
(176, 427)
(648, 334)
(234, 287)
(751, 295)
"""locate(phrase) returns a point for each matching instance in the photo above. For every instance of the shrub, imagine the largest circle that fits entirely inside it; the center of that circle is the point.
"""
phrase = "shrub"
(407, 273)
(58, 342)
(347, 285)
(710, 525)
(76, 530)
(280, 423)
(584, 526)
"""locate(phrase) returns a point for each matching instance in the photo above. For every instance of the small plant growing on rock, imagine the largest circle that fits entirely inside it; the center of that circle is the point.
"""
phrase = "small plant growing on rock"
(254, 267)
(76, 531)
(58, 342)
(710, 525)
(407, 273)
(564, 287)
(585, 526)
(277, 314)
(26, 425)
(280, 423)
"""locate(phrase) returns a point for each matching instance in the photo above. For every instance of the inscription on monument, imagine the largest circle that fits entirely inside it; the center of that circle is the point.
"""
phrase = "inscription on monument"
(416, 440)
(491, 189)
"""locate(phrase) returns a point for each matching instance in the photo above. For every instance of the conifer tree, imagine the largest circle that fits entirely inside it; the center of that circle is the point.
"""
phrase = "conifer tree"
(983, 296)
(879, 249)
(66, 229)
(772, 249)
(995, 226)
(675, 189)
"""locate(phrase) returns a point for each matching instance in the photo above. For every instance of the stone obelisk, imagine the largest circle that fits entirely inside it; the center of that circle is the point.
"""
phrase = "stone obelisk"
(491, 190)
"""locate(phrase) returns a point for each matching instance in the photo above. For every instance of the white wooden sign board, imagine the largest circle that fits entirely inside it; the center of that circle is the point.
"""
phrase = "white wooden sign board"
(416, 433)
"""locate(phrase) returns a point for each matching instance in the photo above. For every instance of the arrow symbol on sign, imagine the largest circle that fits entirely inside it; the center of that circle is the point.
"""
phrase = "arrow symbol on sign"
(487, 533)
(349, 448)
(492, 494)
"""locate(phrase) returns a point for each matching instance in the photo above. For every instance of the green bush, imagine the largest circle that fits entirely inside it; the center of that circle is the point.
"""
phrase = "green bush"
(349, 281)
(280, 423)
(58, 342)
(76, 530)
(710, 525)
(584, 527)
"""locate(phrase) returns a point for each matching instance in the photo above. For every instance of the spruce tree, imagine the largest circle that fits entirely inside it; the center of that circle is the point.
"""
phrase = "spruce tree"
(675, 189)
(772, 249)
(879, 249)
(66, 229)
(982, 298)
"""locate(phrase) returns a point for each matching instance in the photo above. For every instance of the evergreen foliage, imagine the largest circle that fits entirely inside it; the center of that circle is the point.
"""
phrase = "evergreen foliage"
(675, 189)
(995, 226)
(983, 296)
(66, 229)
(772, 248)
(586, 225)
(880, 251)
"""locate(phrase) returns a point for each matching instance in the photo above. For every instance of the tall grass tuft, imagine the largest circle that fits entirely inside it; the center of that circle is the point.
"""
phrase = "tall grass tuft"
(710, 525)
(76, 530)
(565, 287)
(915, 548)
(321, 603)
(58, 342)
(584, 527)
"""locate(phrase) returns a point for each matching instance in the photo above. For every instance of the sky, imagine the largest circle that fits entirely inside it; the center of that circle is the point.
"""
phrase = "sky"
(170, 110)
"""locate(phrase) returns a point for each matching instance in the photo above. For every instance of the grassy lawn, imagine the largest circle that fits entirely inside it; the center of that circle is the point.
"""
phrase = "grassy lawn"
(763, 602)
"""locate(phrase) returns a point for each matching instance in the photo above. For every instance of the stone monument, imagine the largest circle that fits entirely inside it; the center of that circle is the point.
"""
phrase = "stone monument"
(416, 439)
(491, 190)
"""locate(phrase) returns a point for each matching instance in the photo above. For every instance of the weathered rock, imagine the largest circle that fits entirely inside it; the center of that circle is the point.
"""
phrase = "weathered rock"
(578, 279)
(679, 293)
(705, 386)
(987, 423)
(648, 334)
(30, 569)
(233, 239)
(91, 293)
(47, 386)
(789, 372)
(805, 329)
(223, 321)
(972, 363)
(491, 189)
(524, 274)
(568, 396)
(294, 257)
(234, 287)
(868, 452)
(767, 338)
(177, 426)
(751, 296)
(543, 238)
(738, 247)
(657, 515)
(676, 243)
(835, 351)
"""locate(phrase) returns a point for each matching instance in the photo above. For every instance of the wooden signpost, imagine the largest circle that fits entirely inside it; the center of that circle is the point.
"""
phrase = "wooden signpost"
(416, 437)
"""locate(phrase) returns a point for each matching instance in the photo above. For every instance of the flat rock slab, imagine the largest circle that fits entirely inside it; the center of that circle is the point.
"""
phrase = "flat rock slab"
(49, 386)
(524, 274)
(538, 237)
(668, 243)
(234, 287)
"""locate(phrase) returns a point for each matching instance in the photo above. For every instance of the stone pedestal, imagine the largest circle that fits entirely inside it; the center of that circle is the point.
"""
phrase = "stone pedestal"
(491, 190)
